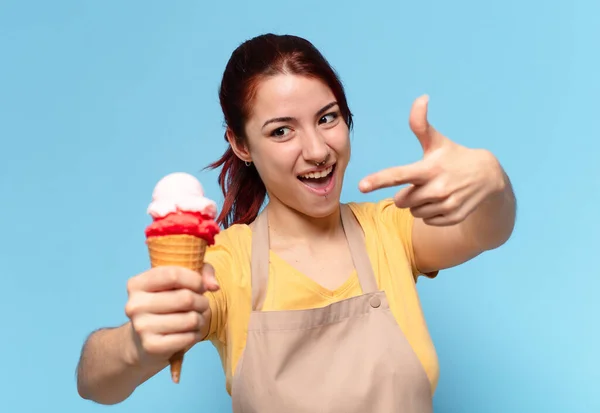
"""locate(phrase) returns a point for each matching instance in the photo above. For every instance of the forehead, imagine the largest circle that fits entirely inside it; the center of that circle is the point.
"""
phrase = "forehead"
(290, 95)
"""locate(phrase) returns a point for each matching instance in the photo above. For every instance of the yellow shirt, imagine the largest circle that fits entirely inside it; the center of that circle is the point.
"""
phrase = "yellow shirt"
(388, 239)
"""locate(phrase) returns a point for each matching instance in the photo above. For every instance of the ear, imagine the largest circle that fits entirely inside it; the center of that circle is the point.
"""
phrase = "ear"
(240, 149)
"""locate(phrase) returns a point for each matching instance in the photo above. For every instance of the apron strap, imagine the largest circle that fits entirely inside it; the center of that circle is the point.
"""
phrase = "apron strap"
(260, 256)
(259, 275)
(358, 250)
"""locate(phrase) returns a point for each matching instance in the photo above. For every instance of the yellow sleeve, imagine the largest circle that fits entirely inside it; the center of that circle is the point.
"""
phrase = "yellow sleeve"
(220, 258)
(398, 224)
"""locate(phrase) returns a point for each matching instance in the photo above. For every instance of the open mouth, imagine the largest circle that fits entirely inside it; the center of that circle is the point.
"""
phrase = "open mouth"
(321, 181)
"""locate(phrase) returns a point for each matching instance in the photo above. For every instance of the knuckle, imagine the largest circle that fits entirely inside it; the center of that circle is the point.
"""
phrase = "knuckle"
(451, 204)
(486, 155)
(131, 285)
(165, 277)
(195, 320)
(171, 275)
(134, 305)
(190, 321)
(130, 308)
(201, 322)
(436, 169)
(203, 304)
(440, 188)
(396, 179)
(139, 325)
(187, 299)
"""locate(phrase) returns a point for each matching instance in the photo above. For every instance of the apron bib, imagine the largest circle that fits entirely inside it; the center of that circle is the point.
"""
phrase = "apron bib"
(350, 356)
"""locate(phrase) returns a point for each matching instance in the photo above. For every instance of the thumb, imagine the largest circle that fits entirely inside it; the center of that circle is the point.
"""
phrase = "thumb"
(209, 281)
(429, 138)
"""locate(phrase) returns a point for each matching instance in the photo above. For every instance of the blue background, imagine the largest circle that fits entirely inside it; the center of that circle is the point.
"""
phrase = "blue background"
(98, 100)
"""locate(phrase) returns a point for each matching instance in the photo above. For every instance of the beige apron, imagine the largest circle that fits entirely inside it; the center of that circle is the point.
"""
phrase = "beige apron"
(350, 356)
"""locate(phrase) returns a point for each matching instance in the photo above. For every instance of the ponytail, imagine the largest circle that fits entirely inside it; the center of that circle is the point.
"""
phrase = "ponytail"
(243, 189)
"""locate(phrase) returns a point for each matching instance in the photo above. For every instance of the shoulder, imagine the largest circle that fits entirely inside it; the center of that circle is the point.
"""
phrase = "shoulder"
(389, 228)
(384, 221)
(232, 236)
(383, 212)
(231, 248)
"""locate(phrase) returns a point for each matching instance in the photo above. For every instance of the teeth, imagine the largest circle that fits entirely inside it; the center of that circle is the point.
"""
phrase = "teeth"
(315, 175)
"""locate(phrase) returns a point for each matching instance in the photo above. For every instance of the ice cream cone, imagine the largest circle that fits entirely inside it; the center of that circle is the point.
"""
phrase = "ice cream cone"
(180, 250)
(177, 250)
(183, 226)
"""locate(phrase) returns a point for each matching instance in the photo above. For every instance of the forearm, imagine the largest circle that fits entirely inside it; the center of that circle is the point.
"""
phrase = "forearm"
(108, 371)
(492, 223)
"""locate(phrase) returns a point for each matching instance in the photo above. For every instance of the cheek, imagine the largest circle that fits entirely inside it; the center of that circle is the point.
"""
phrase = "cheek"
(277, 162)
(339, 140)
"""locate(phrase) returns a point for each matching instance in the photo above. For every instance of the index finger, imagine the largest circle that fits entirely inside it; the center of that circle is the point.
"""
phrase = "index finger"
(417, 173)
(166, 278)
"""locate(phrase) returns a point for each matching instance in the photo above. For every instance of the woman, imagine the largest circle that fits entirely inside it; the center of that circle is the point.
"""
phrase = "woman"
(311, 303)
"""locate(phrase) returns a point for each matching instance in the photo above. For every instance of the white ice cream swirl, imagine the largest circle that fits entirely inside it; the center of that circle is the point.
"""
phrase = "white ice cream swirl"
(180, 191)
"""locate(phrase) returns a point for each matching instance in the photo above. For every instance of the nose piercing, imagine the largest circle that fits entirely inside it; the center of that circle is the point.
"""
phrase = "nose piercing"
(320, 163)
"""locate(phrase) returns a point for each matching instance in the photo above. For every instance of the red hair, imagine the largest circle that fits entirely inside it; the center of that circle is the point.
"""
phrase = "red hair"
(249, 64)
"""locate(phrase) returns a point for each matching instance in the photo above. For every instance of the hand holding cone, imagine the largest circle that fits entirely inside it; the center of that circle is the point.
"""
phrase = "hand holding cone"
(183, 227)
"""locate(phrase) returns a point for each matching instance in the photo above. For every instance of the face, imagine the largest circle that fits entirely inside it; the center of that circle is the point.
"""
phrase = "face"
(299, 143)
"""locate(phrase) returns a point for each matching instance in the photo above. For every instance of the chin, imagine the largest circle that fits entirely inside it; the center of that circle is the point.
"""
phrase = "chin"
(321, 209)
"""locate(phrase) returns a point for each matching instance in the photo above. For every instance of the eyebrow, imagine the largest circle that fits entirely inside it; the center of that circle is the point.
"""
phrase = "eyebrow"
(290, 119)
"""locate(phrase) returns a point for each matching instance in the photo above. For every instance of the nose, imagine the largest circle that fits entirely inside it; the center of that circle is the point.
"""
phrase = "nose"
(314, 148)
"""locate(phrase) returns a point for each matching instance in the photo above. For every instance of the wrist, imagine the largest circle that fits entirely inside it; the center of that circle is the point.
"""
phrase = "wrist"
(129, 350)
(132, 357)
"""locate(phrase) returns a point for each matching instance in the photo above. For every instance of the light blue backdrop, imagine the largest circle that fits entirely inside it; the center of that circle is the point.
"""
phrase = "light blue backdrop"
(98, 100)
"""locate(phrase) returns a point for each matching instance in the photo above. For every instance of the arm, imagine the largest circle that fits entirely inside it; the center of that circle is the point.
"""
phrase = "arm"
(108, 371)
(168, 313)
(461, 198)
(488, 227)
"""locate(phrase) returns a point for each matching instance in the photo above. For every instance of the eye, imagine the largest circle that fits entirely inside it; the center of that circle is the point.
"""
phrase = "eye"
(330, 117)
(280, 132)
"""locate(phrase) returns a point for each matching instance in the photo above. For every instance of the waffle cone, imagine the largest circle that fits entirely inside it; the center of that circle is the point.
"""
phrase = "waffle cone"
(182, 251)
(177, 250)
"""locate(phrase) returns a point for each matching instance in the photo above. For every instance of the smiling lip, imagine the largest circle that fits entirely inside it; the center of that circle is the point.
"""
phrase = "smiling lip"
(330, 185)
(322, 168)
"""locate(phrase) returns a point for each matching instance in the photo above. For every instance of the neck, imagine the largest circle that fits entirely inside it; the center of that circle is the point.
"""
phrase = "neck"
(289, 224)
